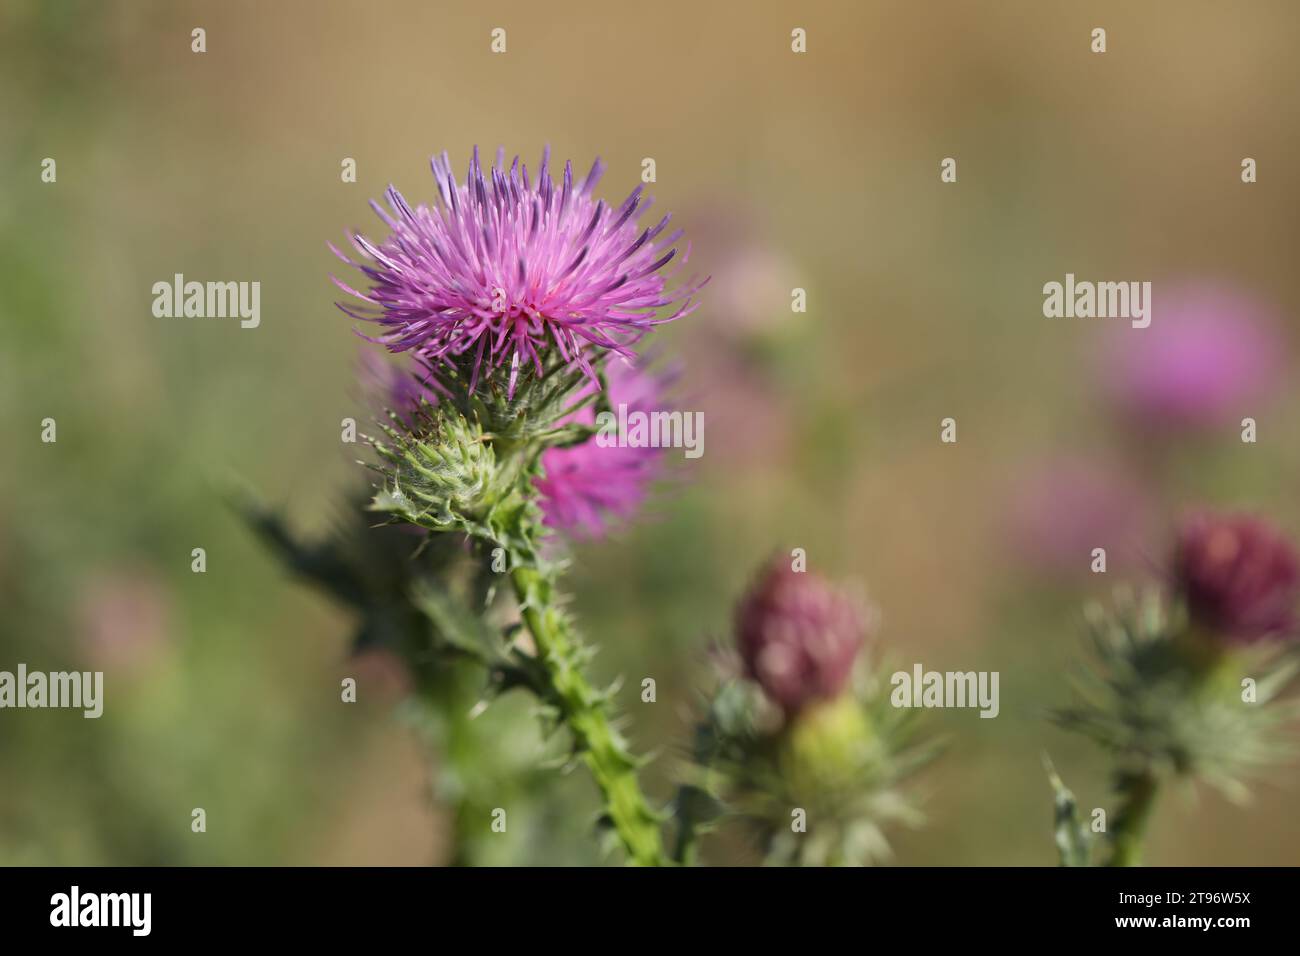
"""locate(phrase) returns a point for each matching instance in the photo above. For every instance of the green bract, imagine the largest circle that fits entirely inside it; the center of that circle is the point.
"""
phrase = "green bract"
(820, 789)
(1165, 699)
(1169, 701)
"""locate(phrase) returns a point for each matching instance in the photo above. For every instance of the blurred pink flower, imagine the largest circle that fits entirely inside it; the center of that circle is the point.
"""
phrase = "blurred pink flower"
(749, 308)
(587, 489)
(752, 278)
(1063, 508)
(123, 619)
(1239, 576)
(748, 420)
(1211, 355)
(751, 290)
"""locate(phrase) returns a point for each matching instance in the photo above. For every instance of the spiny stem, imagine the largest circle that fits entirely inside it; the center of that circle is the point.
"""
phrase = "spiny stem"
(1139, 793)
(583, 712)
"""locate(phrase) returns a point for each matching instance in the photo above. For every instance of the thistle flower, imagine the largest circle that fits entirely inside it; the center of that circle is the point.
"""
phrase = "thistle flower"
(589, 488)
(1164, 714)
(1239, 577)
(1160, 696)
(501, 268)
(796, 736)
(797, 636)
(1211, 355)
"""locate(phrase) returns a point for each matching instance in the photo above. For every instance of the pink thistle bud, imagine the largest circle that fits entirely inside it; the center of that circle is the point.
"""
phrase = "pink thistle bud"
(798, 636)
(1239, 576)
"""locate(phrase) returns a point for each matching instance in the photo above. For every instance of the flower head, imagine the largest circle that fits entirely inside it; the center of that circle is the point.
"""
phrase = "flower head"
(1210, 356)
(1238, 575)
(588, 488)
(798, 637)
(499, 269)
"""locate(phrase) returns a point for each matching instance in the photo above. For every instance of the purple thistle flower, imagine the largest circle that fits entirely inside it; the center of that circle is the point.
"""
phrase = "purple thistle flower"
(797, 636)
(504, 266)
(1213, 353)
(587, 489)
(1239, 576)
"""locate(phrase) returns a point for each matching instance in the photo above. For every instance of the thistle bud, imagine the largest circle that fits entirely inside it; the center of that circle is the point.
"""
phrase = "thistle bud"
(1239, 577)
(798, 637)
(829, 747)
(440, 477)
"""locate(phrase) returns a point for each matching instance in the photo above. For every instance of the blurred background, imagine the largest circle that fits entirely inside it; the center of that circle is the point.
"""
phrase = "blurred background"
(818, 171)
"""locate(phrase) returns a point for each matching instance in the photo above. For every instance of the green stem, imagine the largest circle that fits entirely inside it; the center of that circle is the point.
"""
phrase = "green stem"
(684, 853)
(583, 712)
(1139, 793)
(685, 848)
